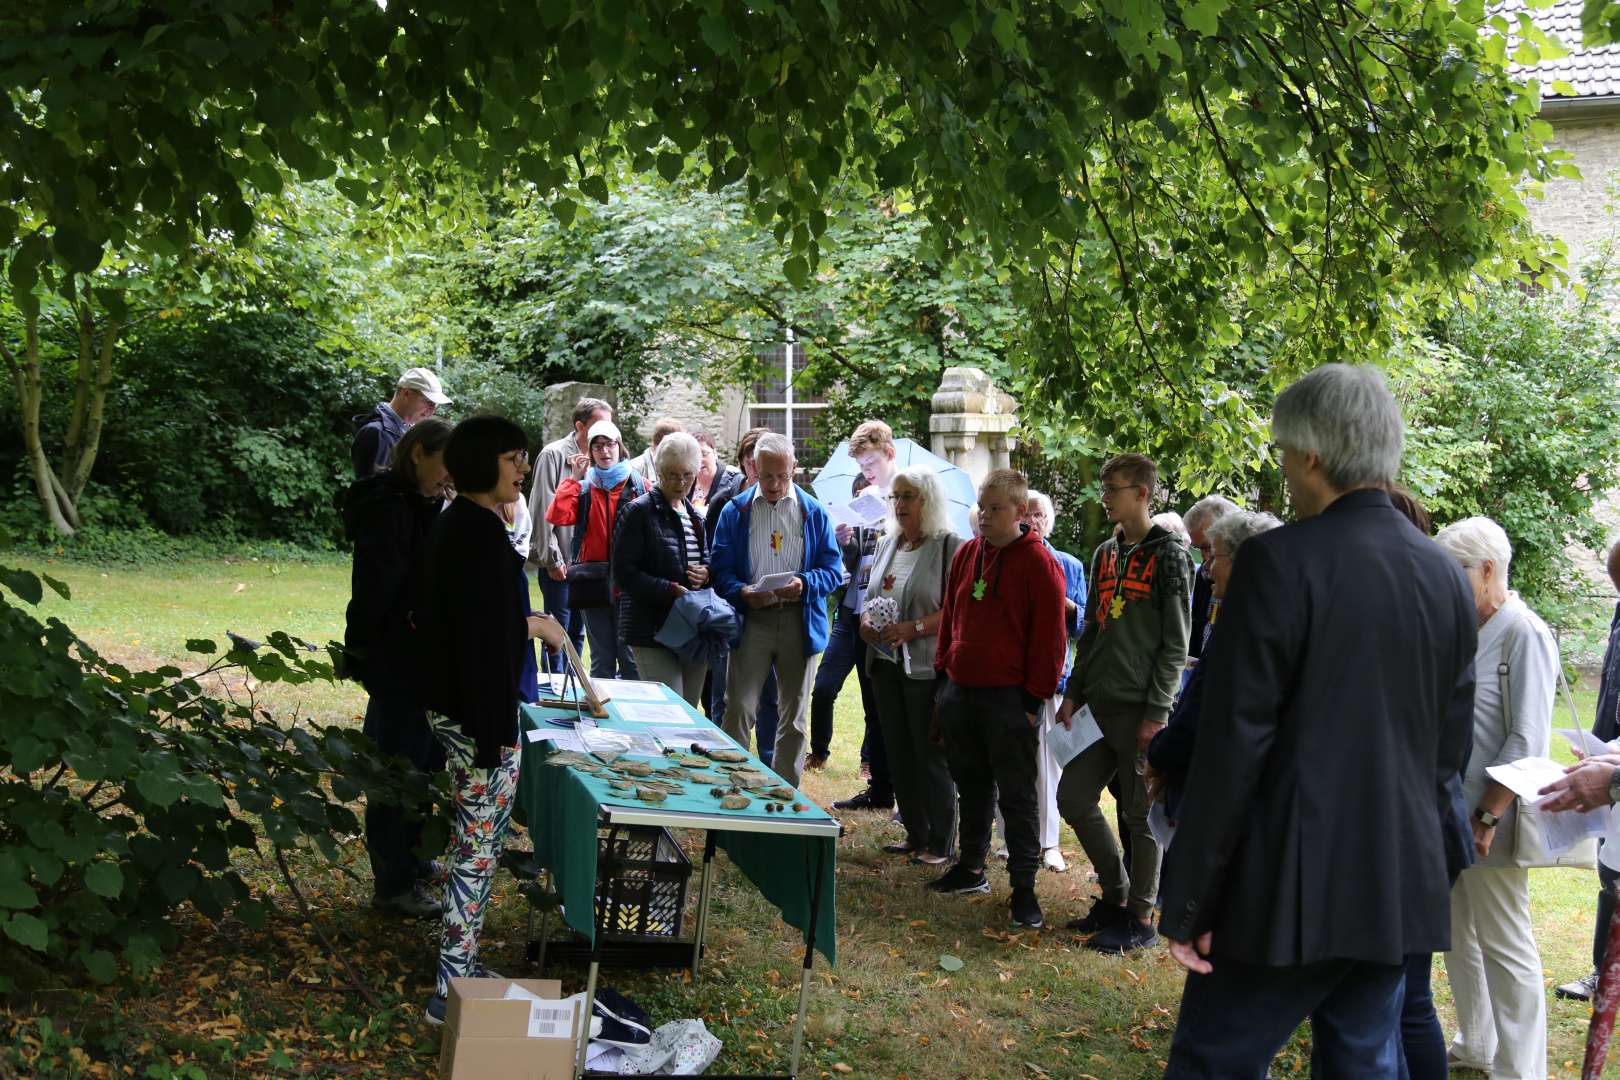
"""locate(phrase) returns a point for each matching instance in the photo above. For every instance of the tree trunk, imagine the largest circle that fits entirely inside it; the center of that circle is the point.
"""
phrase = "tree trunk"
(53, 498)
(95, 411)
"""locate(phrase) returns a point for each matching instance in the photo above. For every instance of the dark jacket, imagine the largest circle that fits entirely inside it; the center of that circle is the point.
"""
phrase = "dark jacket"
(649, 562)
(375, 434)
(1338, 710)
(1203, 592)
(473, 625)
(722, 492)
(387, 520)
(727, 484)
(1171, 750)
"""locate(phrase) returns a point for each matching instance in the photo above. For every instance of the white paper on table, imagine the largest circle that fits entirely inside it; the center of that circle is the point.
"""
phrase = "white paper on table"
(549, 1018)
(662, 712)
(559, 740)
(1160, 825)
(630, 690)
(1068, 743)
(862, 511)
(772, 582)
(1585, 743)
(600, 740)
(683, 738)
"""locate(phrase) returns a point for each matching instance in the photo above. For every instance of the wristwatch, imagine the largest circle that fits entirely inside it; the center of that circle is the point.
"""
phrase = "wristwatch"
(1486, 818)
(1614, 786)
(918, 626)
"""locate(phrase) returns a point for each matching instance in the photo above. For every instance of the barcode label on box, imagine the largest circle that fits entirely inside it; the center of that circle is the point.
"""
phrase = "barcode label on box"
(550, 1023)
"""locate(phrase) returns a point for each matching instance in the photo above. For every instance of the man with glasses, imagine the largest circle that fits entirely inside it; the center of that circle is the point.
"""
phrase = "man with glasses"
(417, 395)
(1127, 669)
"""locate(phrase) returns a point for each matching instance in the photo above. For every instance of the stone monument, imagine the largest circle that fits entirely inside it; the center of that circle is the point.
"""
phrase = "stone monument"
(971, 422)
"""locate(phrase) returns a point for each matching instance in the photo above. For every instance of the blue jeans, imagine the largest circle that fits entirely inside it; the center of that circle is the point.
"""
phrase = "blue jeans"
(1423, 1044)
(554, 594)
(846, 651)
(1235, 1019)
(398, 724)
(610, 656)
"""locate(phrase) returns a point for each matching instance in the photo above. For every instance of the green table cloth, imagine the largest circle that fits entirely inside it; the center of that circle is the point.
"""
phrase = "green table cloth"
(561, 807)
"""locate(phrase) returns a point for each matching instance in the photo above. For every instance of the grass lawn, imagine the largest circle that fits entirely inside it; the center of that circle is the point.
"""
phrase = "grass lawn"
(235, 1002)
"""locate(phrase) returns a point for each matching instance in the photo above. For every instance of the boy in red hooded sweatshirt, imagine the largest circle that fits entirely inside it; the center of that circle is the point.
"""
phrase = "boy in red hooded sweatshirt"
(1001, 645)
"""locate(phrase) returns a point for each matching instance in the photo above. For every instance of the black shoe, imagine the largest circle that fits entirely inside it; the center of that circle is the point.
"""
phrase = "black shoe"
(866, 800)
(435, 1010)
(904, 847)
(1123, 938)
(1026, 910)
(1101, 916)
(417, 902)
(960, 881)
(1581, 989)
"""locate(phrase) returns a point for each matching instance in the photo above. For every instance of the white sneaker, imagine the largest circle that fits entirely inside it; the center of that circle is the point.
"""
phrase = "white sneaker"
(1052, 859)
(1002, 853)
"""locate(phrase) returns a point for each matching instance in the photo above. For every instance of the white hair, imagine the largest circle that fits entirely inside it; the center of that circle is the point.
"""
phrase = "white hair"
(774, 444)
(680, 447)
(1238, 526)
(1043, 500)
(1476, 540)
(1171, 522)
(1207, 511)
(936, 518)
(1345, 415)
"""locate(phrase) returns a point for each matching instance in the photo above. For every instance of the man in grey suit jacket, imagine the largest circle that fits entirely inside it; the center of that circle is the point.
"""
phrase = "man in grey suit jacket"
(1310, 857)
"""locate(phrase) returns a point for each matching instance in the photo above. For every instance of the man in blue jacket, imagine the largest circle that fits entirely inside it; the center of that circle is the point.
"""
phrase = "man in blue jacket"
(771, 529)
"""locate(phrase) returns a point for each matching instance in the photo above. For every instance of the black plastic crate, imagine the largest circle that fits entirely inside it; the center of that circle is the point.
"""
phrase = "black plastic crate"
(641, 876)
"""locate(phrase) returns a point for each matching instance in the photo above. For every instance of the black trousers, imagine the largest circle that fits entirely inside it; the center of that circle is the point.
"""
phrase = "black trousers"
(1605, 912)
(845, 652)
(991, 750)
(398, 725)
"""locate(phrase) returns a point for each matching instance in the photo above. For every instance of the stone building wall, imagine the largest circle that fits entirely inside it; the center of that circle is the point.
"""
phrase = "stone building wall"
(1575, 210)
(691, 402)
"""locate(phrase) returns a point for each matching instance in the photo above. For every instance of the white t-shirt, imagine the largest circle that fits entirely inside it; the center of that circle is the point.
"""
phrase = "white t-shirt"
(522, 525)
(893, 584)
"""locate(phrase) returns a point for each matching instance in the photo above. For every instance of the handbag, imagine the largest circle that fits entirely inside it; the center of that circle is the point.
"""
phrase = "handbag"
(1530, 848)
(588, 585)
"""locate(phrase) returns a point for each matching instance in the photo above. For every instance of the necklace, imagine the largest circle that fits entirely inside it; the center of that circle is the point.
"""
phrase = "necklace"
(982, 568)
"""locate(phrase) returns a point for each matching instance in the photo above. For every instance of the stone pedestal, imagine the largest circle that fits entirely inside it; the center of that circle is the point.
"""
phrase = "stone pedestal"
(561, 399)
(971, 422)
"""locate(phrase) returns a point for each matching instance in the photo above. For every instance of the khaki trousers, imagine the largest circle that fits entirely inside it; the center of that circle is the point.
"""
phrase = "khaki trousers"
(773, 635)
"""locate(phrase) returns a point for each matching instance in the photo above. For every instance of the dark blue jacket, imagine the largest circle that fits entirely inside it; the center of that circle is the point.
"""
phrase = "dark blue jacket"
(374, 440)
(387, 521)
(1074, 588)
(730, 567)
(649, 560)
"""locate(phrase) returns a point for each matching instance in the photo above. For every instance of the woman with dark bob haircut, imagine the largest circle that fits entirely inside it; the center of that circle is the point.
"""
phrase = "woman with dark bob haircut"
(475, 624)
(387, 517)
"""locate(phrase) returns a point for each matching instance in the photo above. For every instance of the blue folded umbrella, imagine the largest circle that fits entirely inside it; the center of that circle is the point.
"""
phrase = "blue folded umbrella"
(700, 626)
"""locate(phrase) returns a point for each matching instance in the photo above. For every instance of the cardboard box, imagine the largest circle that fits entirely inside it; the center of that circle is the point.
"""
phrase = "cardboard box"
(486, 1035)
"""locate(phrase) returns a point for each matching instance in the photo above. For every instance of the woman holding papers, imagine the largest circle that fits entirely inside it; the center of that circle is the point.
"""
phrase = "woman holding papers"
(909, 570)
(660, 551)
(1493, 965)
(473, 622)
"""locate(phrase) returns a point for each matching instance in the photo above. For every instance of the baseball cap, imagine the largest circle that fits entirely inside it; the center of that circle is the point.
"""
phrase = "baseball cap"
(425, 382)
(602, 427)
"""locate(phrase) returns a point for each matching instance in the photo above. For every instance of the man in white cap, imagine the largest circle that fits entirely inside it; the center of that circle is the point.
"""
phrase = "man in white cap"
(418, 394)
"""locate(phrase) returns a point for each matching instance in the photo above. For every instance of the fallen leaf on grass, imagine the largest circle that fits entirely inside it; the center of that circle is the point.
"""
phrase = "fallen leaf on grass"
(950, 963)
(840, 1067)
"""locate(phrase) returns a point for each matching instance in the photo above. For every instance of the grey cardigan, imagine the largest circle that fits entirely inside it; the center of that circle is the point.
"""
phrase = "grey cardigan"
(1514, 636)
(922, 594)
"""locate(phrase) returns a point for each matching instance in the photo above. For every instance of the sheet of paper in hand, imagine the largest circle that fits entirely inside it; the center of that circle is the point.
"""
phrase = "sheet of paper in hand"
(863, 511)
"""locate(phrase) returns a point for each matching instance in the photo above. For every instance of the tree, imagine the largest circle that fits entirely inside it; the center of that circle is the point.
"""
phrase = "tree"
(1156, 166)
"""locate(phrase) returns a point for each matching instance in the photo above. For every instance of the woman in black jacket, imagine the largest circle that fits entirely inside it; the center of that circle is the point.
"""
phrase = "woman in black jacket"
(475, 625)
(660, 551)
(387, 517)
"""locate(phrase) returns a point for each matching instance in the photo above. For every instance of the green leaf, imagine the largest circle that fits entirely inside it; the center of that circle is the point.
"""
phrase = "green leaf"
(201, 645)
(28, 930)
(716, 30)
(104, 879)
(670, 165)
(1204, 16)
(101, 964)
(16, 893)
(949, 962)
(161, 786)
(596, 187)
(797, 271)
(60, 588)
(24, 584)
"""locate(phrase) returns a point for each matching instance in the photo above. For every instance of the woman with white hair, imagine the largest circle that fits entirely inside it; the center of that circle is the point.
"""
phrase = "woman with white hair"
(1493, 965)
(660, 551)
(909, 570)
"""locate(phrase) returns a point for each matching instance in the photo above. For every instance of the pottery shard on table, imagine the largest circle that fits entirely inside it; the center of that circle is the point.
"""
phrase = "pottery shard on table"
(734, 802)
(649, 795)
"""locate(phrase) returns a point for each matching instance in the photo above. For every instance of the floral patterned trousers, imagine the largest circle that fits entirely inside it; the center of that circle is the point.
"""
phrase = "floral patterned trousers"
(483, 810)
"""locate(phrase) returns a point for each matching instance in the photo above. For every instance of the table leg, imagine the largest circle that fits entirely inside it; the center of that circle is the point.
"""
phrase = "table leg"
(809, 957)
(704, 885)
(590, 1006)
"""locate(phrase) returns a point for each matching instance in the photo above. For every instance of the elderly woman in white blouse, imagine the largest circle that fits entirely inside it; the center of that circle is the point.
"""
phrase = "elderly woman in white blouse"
(1493, 965)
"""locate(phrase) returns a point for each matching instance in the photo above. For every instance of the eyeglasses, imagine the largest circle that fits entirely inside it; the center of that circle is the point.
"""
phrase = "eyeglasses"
(1214, 555)
(1204, 549)
(519, 458)
(1115, 489)
(904, 496)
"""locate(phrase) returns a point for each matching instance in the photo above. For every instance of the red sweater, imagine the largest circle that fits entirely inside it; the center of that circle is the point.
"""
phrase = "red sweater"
(564, 510)
(1014, 635)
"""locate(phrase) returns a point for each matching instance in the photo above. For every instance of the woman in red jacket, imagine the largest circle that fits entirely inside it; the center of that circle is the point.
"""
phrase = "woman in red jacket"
(600, 486)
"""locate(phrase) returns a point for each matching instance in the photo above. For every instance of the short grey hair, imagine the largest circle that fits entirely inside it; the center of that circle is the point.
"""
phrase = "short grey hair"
(1044, 500)
(775, 444)
(1171, 522)
(1207, 511)
(936, 517)
(1477, 540)
(1345, 415)
(680, 447)
(1238, 526)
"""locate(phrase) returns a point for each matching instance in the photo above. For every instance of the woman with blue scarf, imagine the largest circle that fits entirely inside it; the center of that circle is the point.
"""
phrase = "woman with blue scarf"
(600, 487)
